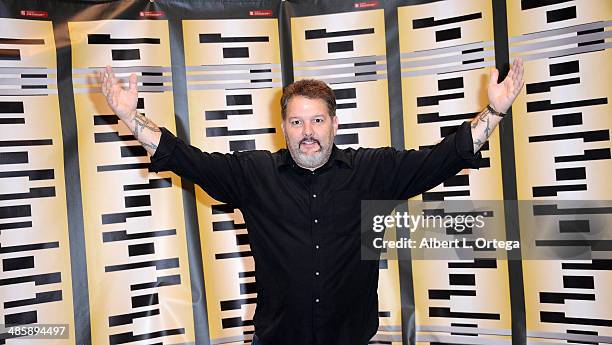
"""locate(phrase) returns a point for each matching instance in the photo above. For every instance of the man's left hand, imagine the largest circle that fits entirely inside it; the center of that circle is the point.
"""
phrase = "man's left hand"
(503, 94)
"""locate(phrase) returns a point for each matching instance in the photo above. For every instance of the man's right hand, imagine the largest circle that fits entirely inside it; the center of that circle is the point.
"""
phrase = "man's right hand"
(122, 102)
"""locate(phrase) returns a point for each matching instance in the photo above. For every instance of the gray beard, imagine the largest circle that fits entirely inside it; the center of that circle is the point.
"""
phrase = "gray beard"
(313, 161)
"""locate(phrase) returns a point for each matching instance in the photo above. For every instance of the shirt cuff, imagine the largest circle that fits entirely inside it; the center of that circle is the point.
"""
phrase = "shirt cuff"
(465, 146)
(164, 150)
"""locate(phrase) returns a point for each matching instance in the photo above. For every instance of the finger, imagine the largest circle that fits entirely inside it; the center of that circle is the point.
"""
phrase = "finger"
(113, 97)
(517, 73)
(518, 78)
(494, 74)
(108, 71)
(133, 80)
(520, 87)
(521, 70)
(107, 84)
(511, 73)
(111, 81)
(111, 75)
(508, 83)
(515, 68)
(101, 80)
(111, 90)
(107, 80)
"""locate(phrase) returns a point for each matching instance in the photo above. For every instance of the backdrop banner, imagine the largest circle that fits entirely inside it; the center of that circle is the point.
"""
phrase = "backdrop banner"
(95, 249)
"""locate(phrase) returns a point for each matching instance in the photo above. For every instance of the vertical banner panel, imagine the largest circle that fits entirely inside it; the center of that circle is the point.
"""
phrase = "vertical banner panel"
(562, 117)
(135, 232)
(444, 82)
(446, 50)
(348, 51)
(35, 280)
(234, 86)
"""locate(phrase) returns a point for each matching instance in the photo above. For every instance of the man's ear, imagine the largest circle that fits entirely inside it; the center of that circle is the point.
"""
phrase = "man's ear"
(283, 126)
(335, 123)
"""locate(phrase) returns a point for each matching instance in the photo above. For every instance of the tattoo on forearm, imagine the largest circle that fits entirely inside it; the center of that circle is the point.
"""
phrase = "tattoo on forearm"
(150, 145)
(484, 117)
(140, 123)
(484, 114)
(482, 128)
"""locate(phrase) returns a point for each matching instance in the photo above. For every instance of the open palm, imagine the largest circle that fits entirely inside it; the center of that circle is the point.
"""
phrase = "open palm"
(503, 94)
(122, 101)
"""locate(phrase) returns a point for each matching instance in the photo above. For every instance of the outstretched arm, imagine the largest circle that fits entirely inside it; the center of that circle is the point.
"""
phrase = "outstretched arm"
(123, 103)
(501, 97)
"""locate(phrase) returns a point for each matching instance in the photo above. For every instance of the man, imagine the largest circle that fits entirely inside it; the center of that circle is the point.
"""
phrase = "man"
(302, 204)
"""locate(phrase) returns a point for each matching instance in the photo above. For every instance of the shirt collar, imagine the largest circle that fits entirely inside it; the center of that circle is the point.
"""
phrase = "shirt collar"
(337, 155)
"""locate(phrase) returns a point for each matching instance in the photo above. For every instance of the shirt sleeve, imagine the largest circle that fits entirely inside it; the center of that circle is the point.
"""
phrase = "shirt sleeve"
(220, 175)
(414, 172)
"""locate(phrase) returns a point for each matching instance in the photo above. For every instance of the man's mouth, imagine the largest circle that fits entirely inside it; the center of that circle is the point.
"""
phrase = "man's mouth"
(309, 142)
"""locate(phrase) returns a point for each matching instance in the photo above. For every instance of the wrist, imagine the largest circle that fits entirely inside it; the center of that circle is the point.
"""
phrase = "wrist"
(131, 115)
(494, 111)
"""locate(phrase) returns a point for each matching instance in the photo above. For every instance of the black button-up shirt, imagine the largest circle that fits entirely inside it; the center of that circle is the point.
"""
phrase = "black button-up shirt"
(304, 226)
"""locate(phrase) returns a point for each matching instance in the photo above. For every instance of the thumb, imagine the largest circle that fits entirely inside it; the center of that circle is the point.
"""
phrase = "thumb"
(133, 80)
(493, 76)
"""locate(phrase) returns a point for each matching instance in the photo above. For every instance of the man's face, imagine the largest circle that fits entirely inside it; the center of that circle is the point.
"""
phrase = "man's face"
(309, 131)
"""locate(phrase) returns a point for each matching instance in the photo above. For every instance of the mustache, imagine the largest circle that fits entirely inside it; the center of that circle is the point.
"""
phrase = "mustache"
(310, 139)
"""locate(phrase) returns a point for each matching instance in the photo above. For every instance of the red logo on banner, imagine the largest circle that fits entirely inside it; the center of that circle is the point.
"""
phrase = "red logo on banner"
(260, 13)
(151, 13)
(366, 4)
(35, 14)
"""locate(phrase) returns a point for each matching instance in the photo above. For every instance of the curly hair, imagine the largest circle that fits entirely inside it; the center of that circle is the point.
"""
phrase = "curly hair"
(312, 89)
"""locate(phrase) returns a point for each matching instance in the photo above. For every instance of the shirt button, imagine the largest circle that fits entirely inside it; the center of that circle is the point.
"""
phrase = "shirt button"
(316, 246)
(316, 221)
(316, 273)
(317, 300)
(314, 195)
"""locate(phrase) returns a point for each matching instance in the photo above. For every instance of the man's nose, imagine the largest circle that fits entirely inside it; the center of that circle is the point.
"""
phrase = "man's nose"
(307, 129)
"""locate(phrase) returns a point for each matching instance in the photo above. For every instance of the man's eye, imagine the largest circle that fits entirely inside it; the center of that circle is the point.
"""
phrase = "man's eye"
(318, 120)
(295, 122)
